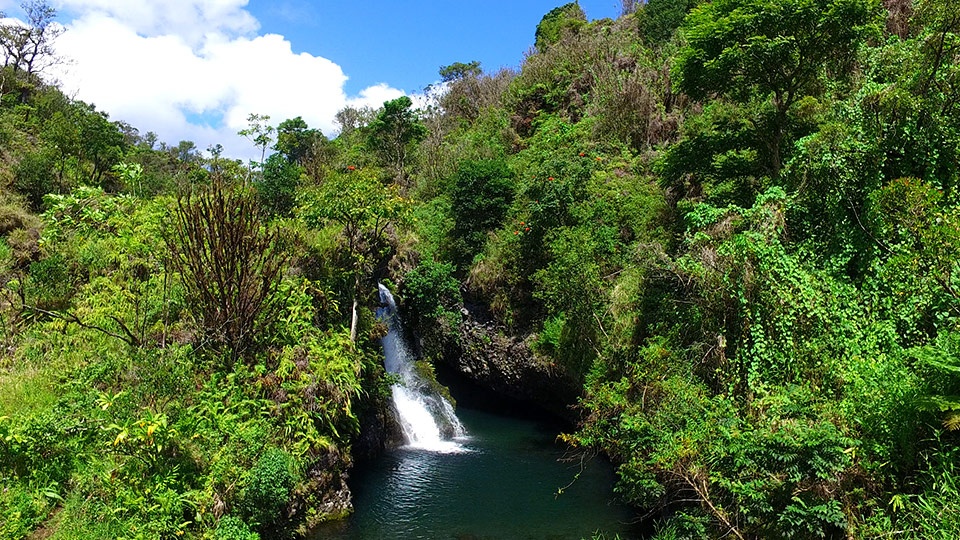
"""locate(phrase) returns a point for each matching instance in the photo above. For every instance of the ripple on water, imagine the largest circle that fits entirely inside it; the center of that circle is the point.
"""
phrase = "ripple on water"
(500, 483)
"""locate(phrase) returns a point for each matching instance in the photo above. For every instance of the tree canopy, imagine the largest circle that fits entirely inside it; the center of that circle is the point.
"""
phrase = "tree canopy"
(29, 47)
(393, 133)
(771, 49)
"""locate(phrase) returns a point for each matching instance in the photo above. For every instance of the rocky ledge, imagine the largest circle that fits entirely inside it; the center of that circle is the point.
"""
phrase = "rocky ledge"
(487, 355)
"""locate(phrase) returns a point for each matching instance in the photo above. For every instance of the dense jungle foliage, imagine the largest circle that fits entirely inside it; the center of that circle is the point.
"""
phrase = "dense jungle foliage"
(734, 222)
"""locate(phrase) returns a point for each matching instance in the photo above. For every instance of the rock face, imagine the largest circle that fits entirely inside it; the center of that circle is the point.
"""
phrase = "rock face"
(379, 431)
(325, 495)
(506, 365)
(337, 501)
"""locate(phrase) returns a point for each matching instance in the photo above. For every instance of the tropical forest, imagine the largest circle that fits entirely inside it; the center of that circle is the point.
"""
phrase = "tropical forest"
(716, 241)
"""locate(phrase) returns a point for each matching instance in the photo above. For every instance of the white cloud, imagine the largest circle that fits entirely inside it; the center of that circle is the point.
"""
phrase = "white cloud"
(374, 96)
(148, 64)
(189, 19)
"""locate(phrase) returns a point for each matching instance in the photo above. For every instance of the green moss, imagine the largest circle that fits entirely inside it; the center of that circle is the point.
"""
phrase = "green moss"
(424, 369)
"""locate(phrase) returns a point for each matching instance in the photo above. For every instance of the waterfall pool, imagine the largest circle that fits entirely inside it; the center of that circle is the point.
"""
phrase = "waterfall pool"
(502, 486)
(490, 470)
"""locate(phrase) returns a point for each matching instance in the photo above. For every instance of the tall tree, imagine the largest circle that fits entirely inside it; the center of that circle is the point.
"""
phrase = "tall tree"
(351, 119)
(296, 141)
(101, 141)
(393, 134)
(29, 47)
(261, 134)
(921, 128)
(366, 209)
(779, 50)
(659, 19)
(459, 70)
(277, 187)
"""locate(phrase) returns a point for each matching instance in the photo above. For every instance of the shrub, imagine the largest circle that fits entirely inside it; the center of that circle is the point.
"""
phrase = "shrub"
(566, 18)
(234, 528)
(34, 177)
(933, 513)
(229, 264)
(277, 188)
(50, 283)
(548, 340)
(268, 488)
(431, 293)
(481, 196)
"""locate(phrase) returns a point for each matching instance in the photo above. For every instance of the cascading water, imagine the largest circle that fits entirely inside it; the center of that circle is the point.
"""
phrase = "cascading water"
(427, 419)
(501, 484)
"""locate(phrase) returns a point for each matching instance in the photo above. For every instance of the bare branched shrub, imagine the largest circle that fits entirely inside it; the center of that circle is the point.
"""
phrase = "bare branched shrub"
(229, 262)
(468, 96)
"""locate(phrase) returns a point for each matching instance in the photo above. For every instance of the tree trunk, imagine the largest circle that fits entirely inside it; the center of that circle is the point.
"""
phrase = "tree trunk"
(353, 321)
(353, 317)
(776, 162)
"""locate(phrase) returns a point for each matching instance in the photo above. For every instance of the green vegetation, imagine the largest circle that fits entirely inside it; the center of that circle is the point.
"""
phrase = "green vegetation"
(735, 223)
(176, 362)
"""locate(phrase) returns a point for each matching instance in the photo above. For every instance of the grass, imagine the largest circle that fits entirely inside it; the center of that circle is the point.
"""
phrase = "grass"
(28, 390)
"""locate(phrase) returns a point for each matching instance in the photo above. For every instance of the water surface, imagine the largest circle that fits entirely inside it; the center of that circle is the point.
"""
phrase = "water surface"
(504, 485)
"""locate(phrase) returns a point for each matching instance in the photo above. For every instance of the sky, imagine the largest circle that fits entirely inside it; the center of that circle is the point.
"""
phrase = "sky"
(196, 69)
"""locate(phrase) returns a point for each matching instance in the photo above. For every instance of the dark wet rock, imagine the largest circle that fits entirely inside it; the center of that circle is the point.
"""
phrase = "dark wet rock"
(485, 354)
(324, 496)
(379, 431)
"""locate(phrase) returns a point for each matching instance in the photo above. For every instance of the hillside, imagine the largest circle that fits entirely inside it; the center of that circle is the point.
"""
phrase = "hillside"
(730, 227)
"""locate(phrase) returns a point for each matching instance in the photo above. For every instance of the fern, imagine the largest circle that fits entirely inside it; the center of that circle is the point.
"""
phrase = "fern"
(943, 357)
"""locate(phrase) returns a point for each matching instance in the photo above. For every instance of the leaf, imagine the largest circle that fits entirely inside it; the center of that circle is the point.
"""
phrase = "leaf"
(935, 357)
(952, 421)
(940, 403)
(122, 436)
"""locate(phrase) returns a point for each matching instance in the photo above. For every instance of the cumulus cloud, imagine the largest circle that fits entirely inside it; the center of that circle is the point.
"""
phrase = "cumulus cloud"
(189, 19)
(196, 69)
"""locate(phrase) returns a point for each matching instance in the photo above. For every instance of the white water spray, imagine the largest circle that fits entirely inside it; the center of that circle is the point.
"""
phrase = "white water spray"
(427, 419)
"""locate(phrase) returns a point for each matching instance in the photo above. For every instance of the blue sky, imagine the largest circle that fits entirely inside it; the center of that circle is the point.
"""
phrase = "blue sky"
(196, 69)
(404, 43)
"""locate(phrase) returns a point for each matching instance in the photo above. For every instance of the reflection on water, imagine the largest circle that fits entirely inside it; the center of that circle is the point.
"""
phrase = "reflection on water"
(503, 487)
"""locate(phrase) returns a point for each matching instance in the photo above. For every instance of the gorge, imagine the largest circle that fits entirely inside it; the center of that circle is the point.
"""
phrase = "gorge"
(497, 471)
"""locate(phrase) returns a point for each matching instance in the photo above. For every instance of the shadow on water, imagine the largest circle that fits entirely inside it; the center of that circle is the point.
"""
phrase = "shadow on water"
(503, 486)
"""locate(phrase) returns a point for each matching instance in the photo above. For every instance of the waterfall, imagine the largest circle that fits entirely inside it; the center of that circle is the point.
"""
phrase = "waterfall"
(427, 418)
